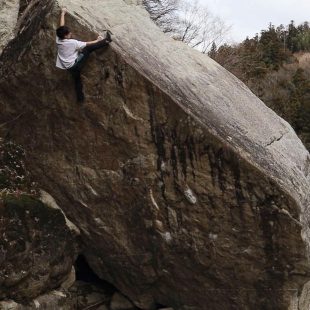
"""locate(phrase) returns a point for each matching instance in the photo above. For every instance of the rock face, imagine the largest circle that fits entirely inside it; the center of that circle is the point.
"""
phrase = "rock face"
(188, 191)
(8, 19)
(120, 302)
(80, 296)
(37, 248)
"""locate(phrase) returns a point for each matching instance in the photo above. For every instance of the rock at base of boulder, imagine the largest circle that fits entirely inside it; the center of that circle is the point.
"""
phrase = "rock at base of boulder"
(9, 305)
(50, 301)
(70, 280)
(81, 295)
(37, 251)
(120, 302)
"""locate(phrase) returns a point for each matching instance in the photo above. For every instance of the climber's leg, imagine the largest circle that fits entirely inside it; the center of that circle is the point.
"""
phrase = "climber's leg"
(76, 69)
(92, 47)
(76, 74)
(80, 61)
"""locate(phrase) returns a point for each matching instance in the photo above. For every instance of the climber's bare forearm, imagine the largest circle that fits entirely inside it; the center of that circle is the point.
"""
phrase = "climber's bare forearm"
(62, 17)
(91, 42)
(95, 41)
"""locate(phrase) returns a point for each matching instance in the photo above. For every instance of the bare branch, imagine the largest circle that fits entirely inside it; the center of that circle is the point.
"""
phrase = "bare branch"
(188, 22)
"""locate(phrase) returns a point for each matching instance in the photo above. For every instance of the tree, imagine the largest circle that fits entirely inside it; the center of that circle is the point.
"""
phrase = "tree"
(213, 50)
(301, 96)
(271, 47)
(198, 28)
(188, 22)
(163, 13)
(303, 40)
(229, 57)
(292, 37)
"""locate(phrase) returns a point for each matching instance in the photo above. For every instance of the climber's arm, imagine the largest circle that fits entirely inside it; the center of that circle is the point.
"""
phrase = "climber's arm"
(95, 41)
(62, 16)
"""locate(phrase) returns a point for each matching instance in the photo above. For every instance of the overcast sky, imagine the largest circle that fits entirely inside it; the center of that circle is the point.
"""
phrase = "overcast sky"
(248, 17)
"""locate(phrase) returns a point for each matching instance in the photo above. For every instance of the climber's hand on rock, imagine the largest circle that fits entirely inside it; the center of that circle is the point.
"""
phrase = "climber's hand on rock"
(100, 38)
(64, 10)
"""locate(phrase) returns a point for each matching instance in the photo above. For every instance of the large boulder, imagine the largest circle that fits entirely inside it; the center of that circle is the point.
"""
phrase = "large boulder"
(188, 191)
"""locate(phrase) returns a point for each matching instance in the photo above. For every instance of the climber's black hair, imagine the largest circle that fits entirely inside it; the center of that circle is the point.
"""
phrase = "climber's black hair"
(62, 31)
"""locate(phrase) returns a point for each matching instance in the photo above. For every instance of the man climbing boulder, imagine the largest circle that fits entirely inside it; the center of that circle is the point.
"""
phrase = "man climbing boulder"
(72, 54)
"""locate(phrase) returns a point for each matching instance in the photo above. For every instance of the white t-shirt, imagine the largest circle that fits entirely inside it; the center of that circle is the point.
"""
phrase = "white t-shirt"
(68, 51)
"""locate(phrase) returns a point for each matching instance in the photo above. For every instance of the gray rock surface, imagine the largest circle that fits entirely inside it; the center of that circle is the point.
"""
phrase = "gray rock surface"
(304, 299)
(8, 19)
(203, 89)
(187, 190)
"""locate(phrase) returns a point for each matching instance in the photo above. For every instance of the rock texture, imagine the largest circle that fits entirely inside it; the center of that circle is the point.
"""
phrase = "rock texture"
(8, 18)
(188, 191)
(80, 296)
(120, 302)
(37, 249)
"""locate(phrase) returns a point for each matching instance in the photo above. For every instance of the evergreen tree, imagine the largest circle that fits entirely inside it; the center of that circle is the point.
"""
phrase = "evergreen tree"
(303, 41)
(292, 37)
(271, 48)
(252, 64)
(301, 98)
(213, 50)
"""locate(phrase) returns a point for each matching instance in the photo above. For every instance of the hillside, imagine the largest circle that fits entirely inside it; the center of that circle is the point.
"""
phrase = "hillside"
(275, 66)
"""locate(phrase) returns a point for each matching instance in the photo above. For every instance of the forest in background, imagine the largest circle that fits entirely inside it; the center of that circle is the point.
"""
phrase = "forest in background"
(275, 65)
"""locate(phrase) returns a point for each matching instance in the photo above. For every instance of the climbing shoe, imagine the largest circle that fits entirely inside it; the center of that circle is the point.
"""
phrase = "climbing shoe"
(108, 36)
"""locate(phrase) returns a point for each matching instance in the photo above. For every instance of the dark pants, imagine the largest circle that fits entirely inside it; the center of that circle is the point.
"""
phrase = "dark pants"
(80, 61)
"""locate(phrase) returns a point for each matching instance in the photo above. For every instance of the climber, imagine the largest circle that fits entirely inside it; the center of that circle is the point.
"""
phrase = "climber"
(72, 54)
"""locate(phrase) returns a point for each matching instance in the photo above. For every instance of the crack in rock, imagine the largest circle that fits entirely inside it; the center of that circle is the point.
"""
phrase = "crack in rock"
(276, 139)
